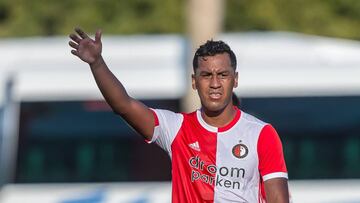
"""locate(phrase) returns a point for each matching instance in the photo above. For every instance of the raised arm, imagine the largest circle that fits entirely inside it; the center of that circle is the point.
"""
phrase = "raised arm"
(134, 112)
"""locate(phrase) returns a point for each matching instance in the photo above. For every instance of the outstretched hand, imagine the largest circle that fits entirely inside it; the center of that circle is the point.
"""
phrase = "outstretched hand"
(84, 47)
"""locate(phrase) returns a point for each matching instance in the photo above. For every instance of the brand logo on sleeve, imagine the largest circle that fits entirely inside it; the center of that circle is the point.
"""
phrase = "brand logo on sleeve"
(195, 146)
(240, 151)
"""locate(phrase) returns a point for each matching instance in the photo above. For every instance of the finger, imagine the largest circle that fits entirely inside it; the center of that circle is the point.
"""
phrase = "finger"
(81, 33)
(98, 36)
(75, 38)
(74, 45)
(75, 52)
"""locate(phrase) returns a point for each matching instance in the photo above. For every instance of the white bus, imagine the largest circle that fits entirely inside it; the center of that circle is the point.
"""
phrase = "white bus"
(61, 142)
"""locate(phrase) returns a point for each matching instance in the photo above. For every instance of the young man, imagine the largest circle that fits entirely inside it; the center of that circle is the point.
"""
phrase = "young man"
(219, 153)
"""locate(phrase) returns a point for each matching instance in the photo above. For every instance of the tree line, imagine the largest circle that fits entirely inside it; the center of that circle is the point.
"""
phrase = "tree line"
(20, 18)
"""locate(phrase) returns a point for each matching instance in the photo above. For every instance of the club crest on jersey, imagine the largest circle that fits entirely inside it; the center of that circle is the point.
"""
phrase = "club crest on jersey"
(240, 151)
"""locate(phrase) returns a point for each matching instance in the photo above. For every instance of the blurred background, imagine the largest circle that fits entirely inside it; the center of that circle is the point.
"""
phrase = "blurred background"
(299, 68)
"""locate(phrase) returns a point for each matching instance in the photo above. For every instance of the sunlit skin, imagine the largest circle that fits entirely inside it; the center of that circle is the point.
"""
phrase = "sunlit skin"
(214, 80)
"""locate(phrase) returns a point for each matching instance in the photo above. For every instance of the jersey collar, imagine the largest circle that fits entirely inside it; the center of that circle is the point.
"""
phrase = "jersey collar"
(216, 129)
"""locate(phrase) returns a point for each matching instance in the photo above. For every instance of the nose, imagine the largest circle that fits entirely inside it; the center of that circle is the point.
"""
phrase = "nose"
(215, 82)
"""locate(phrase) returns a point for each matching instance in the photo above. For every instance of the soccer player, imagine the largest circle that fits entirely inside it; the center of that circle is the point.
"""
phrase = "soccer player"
(219, 153)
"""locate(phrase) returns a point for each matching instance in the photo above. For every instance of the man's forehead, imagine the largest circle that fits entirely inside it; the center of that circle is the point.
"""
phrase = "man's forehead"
(217, 61)
(223, 56)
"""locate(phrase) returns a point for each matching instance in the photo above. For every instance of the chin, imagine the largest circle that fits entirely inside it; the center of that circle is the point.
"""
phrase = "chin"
(214, 107)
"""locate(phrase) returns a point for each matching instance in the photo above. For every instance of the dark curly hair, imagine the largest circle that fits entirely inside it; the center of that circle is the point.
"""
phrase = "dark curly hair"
(211, 48)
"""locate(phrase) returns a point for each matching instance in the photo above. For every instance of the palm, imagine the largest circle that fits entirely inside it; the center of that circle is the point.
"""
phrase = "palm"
(89, 50)
(85, 48)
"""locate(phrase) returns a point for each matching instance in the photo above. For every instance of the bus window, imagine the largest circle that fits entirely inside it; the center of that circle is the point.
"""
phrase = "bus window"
(85, 142)
(320, 135)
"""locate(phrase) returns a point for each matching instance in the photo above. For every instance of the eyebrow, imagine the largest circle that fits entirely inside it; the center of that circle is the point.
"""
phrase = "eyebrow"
(225, 71)
(205, 72)
(209, 72)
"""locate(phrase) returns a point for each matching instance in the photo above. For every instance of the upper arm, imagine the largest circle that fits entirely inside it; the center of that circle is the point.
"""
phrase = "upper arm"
(140, 117)
(276, 190)
(160, 126)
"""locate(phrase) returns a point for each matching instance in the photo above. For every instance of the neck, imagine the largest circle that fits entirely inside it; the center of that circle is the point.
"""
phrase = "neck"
(219, 118)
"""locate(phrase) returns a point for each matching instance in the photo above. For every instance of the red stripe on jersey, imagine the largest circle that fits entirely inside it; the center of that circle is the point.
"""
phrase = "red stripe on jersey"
(193, 162)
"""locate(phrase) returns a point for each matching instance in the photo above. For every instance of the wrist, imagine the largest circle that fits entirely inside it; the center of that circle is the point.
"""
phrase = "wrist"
(97, 62)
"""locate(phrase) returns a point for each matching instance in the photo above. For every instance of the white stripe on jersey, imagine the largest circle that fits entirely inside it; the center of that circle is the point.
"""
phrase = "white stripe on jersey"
(275, 175)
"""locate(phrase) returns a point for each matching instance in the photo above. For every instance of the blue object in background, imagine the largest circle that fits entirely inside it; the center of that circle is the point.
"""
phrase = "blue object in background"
(140, 200)
(93, 197)
(98, 196)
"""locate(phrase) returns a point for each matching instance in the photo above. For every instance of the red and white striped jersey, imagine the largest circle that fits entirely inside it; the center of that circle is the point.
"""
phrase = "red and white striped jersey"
(227, 164)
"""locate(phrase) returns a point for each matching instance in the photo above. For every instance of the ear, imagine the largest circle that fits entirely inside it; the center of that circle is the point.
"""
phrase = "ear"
(193, 84)
(236, 79)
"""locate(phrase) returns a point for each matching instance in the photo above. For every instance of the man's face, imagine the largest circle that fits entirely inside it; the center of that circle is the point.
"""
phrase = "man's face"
(214, 79)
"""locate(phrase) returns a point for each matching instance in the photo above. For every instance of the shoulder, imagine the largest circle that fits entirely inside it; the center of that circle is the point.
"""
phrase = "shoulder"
(252, 120)
(266, 130)
(166, 117)
(165, 112)
(191, 115)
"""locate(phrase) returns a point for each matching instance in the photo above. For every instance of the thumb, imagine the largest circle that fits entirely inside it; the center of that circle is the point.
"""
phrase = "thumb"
(98, 36)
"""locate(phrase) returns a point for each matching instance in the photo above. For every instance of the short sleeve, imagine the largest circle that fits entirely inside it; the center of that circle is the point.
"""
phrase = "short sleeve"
(271, 156)
(167, 125)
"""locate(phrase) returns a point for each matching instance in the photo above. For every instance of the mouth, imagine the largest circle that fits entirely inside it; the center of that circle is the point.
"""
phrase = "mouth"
(215, 95)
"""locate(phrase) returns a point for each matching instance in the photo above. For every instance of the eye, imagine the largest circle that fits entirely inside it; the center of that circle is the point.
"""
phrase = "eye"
(205, 75)
(224, 74)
